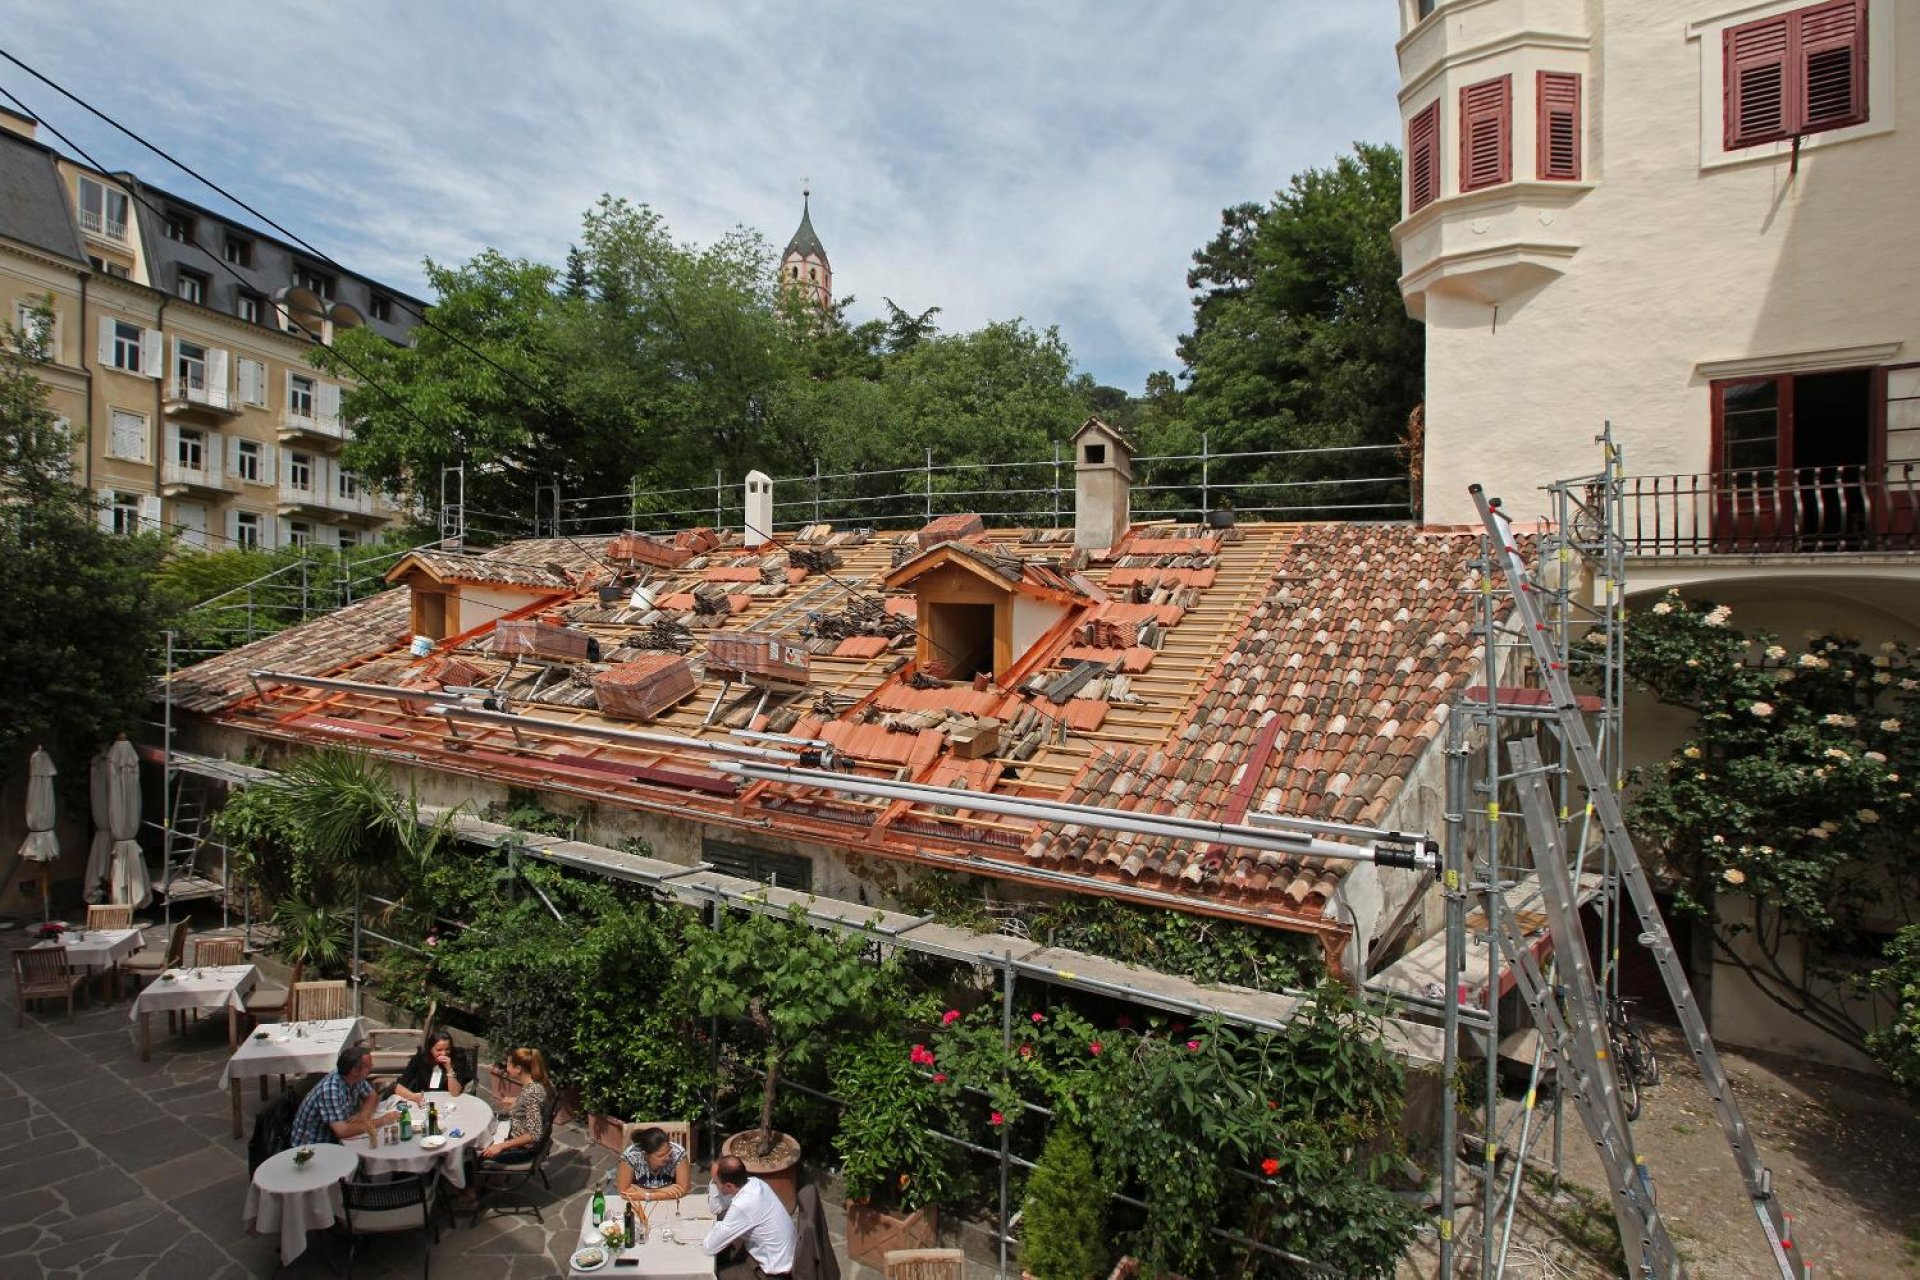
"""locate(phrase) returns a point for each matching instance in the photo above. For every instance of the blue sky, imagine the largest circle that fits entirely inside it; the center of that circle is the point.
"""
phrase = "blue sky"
(1054, 161)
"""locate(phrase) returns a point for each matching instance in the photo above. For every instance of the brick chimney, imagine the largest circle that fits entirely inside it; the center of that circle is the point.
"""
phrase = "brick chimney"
(1102, 486)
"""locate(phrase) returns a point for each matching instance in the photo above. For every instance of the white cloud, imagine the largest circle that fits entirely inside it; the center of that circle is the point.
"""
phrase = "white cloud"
(1058, 162)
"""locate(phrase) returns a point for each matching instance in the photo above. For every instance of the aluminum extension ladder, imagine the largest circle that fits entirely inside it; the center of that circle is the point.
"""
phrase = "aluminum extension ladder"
(1646, 1231)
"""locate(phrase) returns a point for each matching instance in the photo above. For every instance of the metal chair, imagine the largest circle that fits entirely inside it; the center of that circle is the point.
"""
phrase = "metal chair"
(493, 1181)
(315, 1000)
(925, 1264)
(211, 951)
(406, 1203)
(42, 973)
(112, 916)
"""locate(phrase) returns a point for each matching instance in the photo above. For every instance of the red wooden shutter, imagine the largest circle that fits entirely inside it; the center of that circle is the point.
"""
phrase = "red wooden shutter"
(1559, 126)
(1486, 133)
(1830, 62)
(1756, 84)
(1423, 158)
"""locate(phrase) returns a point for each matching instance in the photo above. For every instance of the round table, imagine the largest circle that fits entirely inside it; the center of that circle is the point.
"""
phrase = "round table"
(466, 1113)
(294, 1199)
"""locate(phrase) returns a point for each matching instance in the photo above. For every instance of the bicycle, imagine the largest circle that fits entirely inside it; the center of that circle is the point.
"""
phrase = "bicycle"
(1634, 1062)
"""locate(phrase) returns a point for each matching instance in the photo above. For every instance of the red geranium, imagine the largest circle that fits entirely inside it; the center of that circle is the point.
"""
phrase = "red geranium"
(1269, 1166)
(1094, 1048)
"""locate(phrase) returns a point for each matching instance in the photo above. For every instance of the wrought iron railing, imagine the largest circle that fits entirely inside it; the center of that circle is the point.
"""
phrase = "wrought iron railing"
(1775, 511)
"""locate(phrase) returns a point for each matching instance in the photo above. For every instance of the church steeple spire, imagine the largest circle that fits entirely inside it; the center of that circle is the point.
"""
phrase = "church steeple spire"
(804, 264)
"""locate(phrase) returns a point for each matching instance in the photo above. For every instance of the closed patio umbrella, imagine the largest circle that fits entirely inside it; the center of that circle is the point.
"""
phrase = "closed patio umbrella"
(41, 845)
(131, 884)
(100, 853)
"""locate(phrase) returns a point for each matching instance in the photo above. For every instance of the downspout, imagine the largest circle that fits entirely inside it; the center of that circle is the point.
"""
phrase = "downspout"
(160, 411)
(86, 368)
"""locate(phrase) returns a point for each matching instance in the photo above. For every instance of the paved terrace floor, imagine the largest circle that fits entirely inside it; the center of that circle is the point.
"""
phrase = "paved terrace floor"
(110, 1166)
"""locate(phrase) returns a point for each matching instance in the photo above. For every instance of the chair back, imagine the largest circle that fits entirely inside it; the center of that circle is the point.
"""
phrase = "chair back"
(42, 969)
(177, 946)
(925, 1264)
(218, 951)
(113, 916)
(680, 1131)
(313, 1000)
(396, 1205)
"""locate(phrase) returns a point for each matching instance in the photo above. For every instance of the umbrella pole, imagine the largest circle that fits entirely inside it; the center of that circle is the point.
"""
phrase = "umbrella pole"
(166, 796)
(46, 895)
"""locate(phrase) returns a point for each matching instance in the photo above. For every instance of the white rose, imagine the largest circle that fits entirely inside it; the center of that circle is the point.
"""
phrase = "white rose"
(1761, 709)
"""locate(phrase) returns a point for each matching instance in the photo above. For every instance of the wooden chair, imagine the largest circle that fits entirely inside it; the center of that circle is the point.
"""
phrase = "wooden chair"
(150, 964)
(42, 973)
(118, 916)
(315, 1000)
(680, 1131)
(925, 1264)
(394, 1047)
(211, 951)
(270, 1001)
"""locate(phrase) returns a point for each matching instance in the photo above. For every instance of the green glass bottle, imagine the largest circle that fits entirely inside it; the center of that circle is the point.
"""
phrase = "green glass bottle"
(406, 1123)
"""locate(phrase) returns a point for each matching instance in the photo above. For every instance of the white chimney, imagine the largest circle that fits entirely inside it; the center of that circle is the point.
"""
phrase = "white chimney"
(1102, 486)
(759, 530)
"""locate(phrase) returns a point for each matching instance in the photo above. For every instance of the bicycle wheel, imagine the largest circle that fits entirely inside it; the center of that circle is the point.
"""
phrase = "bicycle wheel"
(1625, 1076)
(1646, 1067)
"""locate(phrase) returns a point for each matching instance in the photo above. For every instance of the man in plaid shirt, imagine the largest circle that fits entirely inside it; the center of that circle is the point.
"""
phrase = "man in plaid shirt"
(341, 1105)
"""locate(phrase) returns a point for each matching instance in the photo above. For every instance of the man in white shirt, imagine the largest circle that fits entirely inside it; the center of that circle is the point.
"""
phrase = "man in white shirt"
(754, 1231)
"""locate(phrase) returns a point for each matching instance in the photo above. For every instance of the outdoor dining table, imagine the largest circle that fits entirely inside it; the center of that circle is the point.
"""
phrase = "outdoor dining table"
(98, 950)
(294, 1199)
(223, 986)
(671, 1250)
(287, 1049)
(467, 1113)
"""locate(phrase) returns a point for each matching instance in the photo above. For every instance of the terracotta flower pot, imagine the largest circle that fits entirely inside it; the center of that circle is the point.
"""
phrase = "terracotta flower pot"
(608, 1131)
(871, 1232)
(780, 1170)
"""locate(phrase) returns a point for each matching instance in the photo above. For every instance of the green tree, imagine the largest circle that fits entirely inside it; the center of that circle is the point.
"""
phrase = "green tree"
(1064, 1237)
(1300, 338)
(77, 660)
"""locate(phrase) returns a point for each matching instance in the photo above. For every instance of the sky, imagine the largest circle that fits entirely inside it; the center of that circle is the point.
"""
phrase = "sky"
(1049, 160)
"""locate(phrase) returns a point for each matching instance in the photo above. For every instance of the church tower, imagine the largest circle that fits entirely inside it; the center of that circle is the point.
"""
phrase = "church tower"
(803, 267)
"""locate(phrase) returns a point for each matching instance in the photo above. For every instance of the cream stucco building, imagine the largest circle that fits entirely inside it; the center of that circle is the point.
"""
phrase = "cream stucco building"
(179, 350)
(1696, 221)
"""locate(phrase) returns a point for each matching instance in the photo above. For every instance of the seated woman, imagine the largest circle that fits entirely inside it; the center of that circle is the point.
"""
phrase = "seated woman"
(653, 1167)
(436, 1067)
(532, 1111)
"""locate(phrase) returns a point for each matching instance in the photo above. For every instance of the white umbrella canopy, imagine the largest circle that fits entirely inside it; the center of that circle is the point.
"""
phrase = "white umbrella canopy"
(131, 884)
(100, 853)
(41, 844)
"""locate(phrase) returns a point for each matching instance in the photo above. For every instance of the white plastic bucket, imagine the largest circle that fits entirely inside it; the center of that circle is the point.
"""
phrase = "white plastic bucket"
(642, 598)
(422, 646)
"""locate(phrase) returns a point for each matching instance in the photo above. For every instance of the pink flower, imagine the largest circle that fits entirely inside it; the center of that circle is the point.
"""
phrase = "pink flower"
(1039, 1017)
(1026, 1051)
(1178, 1027)
(950, 1017)
(1269, 1166)
(996, 1119)
(1124, 1021)
(939, 1077)
(921, 1056)
(1094, 1048)
(1193, 1046)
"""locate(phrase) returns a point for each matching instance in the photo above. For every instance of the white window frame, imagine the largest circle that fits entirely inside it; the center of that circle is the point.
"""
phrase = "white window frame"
(300, 395)
(129, 346)
(126, 509)
(187, 365)
(347, 539)
(190, 448)
(252, 386)
(248, 533)
(300, 469)
(249, 307)
(101, 222)
(299, 533)
(116, 418)
(191, 286)
(238, 251)
(347, 484)
(247, 462)
(27, 319)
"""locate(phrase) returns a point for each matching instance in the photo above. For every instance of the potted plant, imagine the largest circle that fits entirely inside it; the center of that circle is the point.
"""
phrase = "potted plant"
(790, 986)
(1065, 1228)
(894, 1170)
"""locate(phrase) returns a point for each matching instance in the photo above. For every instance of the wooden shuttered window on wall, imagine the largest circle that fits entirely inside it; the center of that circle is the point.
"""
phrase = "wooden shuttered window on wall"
(1796, 73)
(1486, 133)
(1423, 158)
(1559, 126)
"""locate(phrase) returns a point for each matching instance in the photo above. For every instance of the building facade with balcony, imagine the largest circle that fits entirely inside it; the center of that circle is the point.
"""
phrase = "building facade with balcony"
(1694, 221)
(180, 345)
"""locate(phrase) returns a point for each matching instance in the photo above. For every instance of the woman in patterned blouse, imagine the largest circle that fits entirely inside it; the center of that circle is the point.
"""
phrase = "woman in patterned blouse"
(531, 1110)
(654, 1167)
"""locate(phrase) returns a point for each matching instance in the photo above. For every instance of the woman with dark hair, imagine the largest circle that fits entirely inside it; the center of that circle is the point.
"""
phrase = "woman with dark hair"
(436, 1067)
(653, 1167)
(532, 1111)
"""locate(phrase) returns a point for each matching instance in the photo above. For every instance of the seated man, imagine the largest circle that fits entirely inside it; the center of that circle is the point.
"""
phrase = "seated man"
(341, 1105)
(754, 1237)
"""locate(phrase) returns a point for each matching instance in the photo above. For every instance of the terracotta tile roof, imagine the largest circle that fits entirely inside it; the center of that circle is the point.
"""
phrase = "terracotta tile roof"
(449, 566)
(1303, 668)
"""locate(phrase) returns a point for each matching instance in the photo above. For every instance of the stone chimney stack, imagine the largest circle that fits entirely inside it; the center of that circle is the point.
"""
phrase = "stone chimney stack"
(759, 504)
(1102, 486)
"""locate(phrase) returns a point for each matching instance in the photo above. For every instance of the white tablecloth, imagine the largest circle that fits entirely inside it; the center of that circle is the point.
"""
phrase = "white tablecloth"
(466, 1113)
(286, 1051)
(293, 1200)
(219, 987)
(99, 949)
(682, 1258)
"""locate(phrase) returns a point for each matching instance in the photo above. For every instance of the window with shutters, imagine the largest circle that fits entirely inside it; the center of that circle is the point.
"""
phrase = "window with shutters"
(190, 366)
(127, 436)
(347, 484)
(126, 513)
(128, 343)
(299, 396)
(300, 471)
(246, 460)
(1796, 73)
(1559, 126)
(246, 530)
(1486, 133)
(1423, 158)
(253, 381)
(300, 533)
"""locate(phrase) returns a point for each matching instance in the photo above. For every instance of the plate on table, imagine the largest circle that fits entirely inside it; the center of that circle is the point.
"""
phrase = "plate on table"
(591, 1258)
(433, 1142)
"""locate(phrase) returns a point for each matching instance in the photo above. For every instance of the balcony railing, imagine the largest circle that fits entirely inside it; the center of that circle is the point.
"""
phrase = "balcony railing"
(102, 226)
(207, 475)
(327, 498)
(292, 423)
(192, 389)
(1775, 511)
